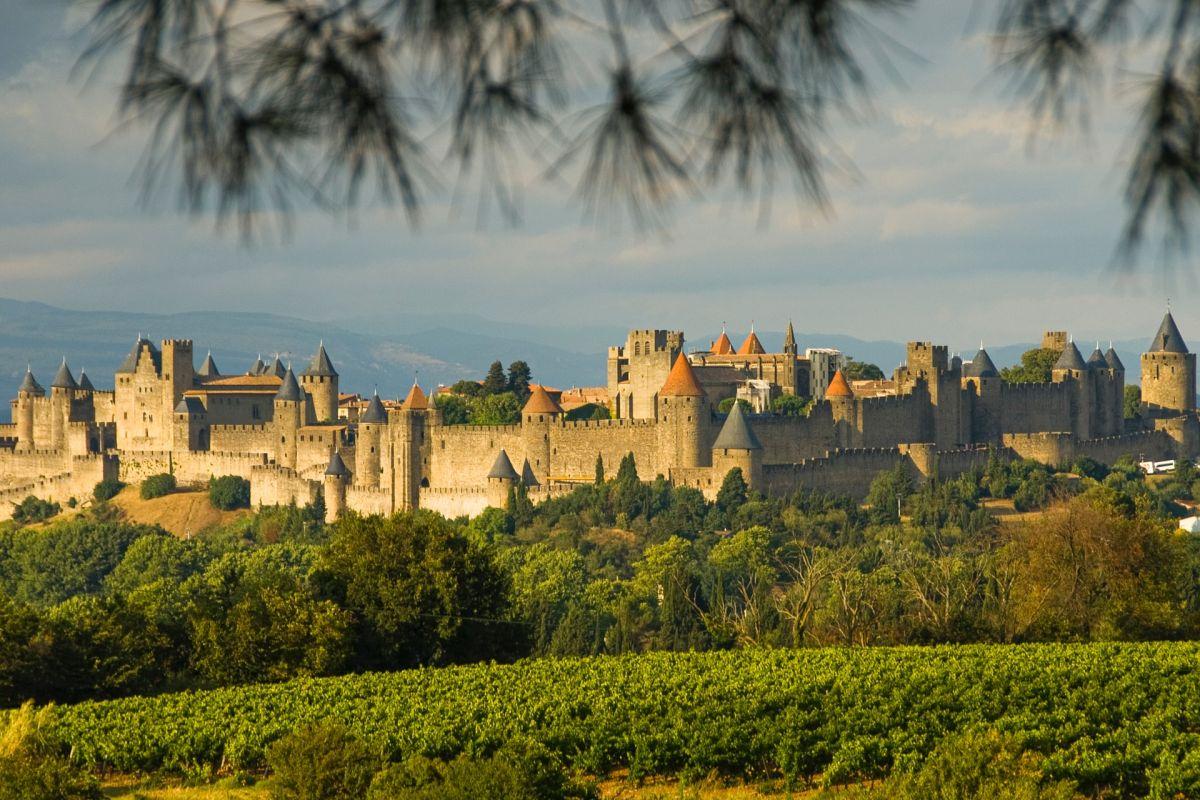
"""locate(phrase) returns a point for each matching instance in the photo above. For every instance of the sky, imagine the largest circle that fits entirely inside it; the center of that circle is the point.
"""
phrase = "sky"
(951, 227)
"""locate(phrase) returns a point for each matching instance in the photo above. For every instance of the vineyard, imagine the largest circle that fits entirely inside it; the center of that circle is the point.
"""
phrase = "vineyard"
(1119, 720)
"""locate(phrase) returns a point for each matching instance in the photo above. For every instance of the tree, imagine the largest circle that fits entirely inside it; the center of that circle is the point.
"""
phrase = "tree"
(1035, 367)
(495, 409)
(495, 382)
(861, 371)
(726, 405)
(453, 407)
(733, 492)
(420, 591)
(321, 761)
(1132, 402)
(158, 486)
(519, 375)
(790, 405)
(888, 492)
(229, 492)
(32, 509)
(328, 98)
(599, 481)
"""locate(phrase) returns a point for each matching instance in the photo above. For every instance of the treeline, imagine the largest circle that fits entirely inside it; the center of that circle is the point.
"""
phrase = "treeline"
(95, 607)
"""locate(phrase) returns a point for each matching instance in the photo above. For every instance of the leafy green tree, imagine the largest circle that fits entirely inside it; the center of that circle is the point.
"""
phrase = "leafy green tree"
(1132, 402)
(495, 409)
(31, 766)
(158, 486)
(32, 509)
(670, 575)
(229, 492)
(66, 559)
(861, 371)
(733, 492)
(107, 489)
(454, 408)
(888, 492)
(519, 376)
(496, 381)
(153, 558)
(466, 388)
(599, 480)
(790, 405)
(420, 591)
(22, 657)
(546, 583)
(519, 505)
(321, 761)
(1035, 367)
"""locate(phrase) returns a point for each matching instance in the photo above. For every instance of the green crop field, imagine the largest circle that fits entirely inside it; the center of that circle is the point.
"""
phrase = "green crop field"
(1119, 719)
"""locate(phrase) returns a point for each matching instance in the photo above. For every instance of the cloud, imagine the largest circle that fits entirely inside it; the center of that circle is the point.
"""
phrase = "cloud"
(921, 218)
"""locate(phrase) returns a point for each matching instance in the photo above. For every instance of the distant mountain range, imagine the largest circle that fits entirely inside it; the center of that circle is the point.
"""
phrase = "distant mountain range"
(383, 351)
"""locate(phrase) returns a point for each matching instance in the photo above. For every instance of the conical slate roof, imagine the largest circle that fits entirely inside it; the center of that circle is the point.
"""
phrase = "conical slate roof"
(257, 367)
(1070, 358)
(277, 369)
(752, 346)
(722, 346)
(1096, 360)
(416, 399)
(189, 405)
(63, 379)
(981, 366)
(337, 466)
(30, 384)
(1168, 339)
(130, 362)
(209, 368)
(289, 389)
(1113, 361)
(838, 386)
(681, 381)
(85, 382)
(540, 402)
(736, 433)
(502, 468)
(789, 340)
(320, 364)
(527, 476)
(375, 412)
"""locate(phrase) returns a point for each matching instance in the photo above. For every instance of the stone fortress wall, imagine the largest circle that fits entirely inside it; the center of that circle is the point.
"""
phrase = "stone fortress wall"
(281, 432)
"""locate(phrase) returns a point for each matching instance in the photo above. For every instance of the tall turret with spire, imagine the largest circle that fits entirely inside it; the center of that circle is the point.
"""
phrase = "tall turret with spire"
(408, 429)
(287, 419)
(320, 381)
(62, 393)
(789, 341)
(684, 419)
(1168, 373)
(27, 396)
(368, 450)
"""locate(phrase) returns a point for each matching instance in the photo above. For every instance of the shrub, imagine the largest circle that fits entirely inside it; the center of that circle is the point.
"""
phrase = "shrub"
(32, 510)
(321, 761)
(29, 767)
(522, 770)
(107, 489)
(158, 485)
(229, 492)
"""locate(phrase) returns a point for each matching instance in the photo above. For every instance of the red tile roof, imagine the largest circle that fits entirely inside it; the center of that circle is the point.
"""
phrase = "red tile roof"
(681, 382)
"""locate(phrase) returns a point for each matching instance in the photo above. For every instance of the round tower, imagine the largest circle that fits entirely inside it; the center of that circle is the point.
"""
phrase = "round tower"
(982, 379)
(62, 392)
(320, 381)
(408, 440)
(501, 479)
(367, 453)
(843, 409)
(1168, 373)
(541, 412)
(27, 396)
(737, 446)
(1071, 368)
(684, 418)
(288, 419)
(336, 478)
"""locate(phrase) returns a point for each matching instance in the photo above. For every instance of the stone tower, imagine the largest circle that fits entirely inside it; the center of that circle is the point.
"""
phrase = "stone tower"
(982, 379)
(336, 478)
(178, 372)
(288, 419)
(1118, 386)
(368, 452)
(540, 413)
(62, 393)
(1168, 373)
(500, 480)
(27, 396)
(1071, 369)
(684, 418)
(638, 369)
(408, 430)
(320, 381)
(840, 397)
(737, 446)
